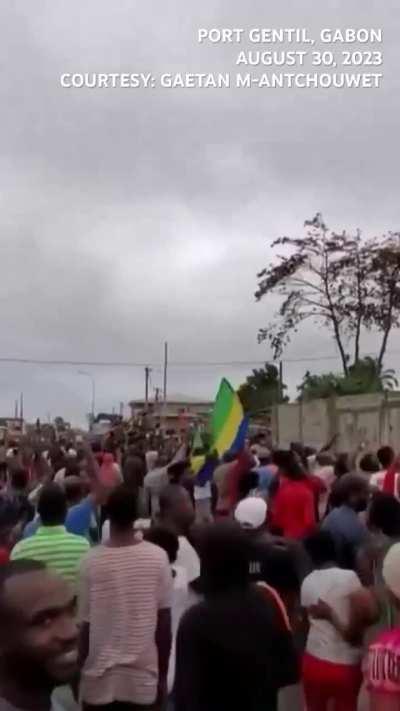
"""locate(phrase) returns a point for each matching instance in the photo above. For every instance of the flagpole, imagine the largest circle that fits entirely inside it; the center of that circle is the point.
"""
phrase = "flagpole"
(165, 382)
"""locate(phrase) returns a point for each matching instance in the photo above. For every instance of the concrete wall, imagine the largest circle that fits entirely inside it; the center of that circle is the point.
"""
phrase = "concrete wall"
(372, 419)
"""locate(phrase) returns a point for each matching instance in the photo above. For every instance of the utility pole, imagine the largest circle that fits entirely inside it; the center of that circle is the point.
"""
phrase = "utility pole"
(280, 380)
(165, 372)
(16, 410)
(147, 372)
(21, 407)
(164, 407)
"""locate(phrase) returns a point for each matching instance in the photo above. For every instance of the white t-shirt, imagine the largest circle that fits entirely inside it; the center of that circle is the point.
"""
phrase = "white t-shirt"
(60, 476)
(377, 480)
(334, 586)
(188, 559)
(180, 603)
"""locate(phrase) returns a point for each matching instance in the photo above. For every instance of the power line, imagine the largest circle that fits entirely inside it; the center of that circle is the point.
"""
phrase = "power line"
(172, 364)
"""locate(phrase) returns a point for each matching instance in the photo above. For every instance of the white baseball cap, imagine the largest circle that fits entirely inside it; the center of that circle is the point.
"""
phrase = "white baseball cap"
(251, 512)
(391, 570)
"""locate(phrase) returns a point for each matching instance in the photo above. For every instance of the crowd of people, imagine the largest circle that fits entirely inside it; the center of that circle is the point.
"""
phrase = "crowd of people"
(130, 582)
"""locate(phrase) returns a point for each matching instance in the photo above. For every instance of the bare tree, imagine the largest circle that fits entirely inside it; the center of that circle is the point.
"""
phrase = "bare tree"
(337, 280)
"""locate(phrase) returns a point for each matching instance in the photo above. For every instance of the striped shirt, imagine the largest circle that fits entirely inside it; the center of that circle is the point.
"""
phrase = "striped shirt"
(56, 548)
(121, 591)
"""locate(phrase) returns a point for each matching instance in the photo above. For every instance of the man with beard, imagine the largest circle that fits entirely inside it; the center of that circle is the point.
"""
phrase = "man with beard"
(38, 643)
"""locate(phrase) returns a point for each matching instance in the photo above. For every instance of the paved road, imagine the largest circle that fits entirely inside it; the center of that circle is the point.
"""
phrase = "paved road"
(290, 700)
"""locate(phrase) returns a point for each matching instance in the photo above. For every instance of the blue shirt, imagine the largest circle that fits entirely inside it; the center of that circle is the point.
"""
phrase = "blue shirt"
(31, 528)
(265, 478)
(347, 531)
(82, 520)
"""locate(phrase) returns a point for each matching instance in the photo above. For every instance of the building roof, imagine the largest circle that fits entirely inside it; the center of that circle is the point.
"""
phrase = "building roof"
(174, 399)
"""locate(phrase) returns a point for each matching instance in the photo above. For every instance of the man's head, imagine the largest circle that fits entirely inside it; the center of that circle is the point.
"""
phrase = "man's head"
(225, 558)
(385, 456)
(369, 464)
(384, 515)
(353, 490)
(38, 641)
(324, 459)
(289, 463)
(176, 508)
(74, 488)
(19, 478)
(320, 547)
(342, 465)
(165, 539)
(121, 509)
(52, 506)
(264, 456)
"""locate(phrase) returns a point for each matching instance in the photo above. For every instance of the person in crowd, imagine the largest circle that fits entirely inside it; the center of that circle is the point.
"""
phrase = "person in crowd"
(84, 519)
(274, 561)
(233, 649)
(125, 615)
(74, 488)
(266, 471)
(240, 480)
(17, 492)
(97, 451)
(165, 539)
(9, 528)
(369, 466)
(181, 597)
(293, 504)
(154, 481)
(70, 467)
(384, 526)
(151, 460)
(52, 544)
(386, 457)
(324, 469)
(383, 659)
(39, 635)
(342, 464)
(109, 471)
(221, 479)
(343, 522)
(391, 483)
(177, 514)
(332, 661)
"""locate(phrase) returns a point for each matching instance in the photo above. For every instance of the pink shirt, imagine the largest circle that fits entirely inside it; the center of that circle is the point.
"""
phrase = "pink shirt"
(121, 591)
(383, 663)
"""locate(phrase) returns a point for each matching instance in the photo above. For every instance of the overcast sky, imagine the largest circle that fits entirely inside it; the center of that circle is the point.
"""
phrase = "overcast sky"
(131, 217)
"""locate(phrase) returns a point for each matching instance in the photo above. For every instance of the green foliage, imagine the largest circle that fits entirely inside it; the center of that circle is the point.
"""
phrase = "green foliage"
(262, 389)
(363, 377)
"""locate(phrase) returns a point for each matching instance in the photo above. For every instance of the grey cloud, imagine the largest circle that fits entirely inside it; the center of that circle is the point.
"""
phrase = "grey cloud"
(132, 217)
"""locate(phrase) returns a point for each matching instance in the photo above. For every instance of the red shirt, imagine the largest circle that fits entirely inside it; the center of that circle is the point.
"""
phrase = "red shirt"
(293, 508)
(4, 556)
